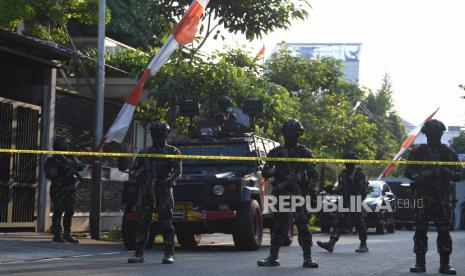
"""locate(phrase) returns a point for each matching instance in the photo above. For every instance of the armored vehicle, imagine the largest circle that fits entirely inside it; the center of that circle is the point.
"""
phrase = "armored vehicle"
(215, 196)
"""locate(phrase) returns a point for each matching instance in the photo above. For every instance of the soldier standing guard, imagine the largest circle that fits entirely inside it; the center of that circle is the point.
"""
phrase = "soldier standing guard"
(63, 172)
(290, 179)
(352, 182)
(156, 178)
(432, 186)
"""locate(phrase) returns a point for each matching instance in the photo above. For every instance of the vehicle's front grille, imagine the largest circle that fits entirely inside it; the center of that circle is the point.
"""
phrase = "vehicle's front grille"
(191, 192)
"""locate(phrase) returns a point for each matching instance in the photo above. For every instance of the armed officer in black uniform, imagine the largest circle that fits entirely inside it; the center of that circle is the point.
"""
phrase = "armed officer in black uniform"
(63, 172)
(156, 178)
(352, 182)
(432, 186)
(295, 178)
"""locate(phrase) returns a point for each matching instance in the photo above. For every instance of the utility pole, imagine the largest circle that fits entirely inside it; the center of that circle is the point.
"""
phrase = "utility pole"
(96, 189)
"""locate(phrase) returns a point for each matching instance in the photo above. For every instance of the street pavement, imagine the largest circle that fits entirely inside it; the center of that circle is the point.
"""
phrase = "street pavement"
(390, 254)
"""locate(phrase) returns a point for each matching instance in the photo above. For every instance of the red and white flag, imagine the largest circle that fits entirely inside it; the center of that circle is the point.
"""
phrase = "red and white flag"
(182, 34)
(261, 53)
(405, 145)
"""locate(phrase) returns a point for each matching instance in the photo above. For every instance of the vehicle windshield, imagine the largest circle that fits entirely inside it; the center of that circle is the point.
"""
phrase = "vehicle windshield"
(374, 190)
(213, 150)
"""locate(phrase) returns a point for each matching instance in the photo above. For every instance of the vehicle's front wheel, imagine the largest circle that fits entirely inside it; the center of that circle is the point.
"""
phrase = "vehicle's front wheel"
(187, 239)
(248, 226)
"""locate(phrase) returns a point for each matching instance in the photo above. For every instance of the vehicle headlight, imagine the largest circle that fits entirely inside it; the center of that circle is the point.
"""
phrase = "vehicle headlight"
(218, 190)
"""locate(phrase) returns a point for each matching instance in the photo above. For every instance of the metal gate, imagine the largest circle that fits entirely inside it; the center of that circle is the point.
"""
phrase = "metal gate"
(19, 173)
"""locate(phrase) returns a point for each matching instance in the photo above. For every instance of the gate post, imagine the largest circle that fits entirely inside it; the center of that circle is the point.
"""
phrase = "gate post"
(48, 125)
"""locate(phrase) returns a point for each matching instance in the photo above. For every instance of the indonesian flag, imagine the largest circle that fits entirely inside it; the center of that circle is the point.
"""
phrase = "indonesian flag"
(405, 145)
(182, 34)
(261, 53)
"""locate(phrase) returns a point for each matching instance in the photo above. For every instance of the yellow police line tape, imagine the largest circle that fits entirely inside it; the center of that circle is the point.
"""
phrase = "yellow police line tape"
(233, 158)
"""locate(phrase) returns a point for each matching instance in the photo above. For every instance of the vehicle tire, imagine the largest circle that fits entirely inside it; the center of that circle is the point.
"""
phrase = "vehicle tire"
(409, 227)
(290, 232)
(248, 226)
(187, 239)
(398, 226)
(129, 232)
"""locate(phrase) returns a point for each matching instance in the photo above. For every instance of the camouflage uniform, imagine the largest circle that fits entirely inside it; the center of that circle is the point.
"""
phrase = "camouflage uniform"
(305, 174)
(352, 182)
(156, 177)
(63, 173)
(432, 186)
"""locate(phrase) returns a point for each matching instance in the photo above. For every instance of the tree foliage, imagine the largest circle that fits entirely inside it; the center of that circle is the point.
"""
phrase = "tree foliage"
(47, 19)
(144, 23)
(231, 73)
(379, 107)
(326, 103)
(458, 143)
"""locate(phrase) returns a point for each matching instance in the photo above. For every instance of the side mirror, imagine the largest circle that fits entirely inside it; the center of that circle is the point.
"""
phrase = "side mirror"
(123, 164)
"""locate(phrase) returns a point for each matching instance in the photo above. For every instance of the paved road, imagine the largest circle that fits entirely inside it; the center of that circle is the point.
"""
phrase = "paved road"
(390, 254)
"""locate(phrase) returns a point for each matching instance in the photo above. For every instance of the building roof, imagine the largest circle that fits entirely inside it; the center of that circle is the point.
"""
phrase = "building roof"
(30, 48)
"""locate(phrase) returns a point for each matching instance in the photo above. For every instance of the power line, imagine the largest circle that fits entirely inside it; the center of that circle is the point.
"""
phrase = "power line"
(377, 122)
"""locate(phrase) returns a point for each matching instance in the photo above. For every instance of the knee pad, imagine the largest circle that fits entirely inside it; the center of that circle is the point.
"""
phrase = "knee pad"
(444, 242)
(421, 243)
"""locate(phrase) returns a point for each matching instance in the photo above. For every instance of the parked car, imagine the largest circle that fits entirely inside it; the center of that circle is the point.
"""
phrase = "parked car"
(379, 192)
(384, 220)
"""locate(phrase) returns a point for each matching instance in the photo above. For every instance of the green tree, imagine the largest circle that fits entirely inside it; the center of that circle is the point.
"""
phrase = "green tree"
(47, 19)
(301, 75)
(458, 143)
(144, 23)
(379, 108)
(231, 73)
(326, 103)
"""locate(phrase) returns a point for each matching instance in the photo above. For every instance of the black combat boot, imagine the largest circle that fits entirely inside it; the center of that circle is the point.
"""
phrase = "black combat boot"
(57, 238)
(138, 255)
(169, 254)
(271, 260)
(67, 237)
(307, 253)
(363, 247)
(329, 246)
(445, 268)
(57, 234)
(419, 264)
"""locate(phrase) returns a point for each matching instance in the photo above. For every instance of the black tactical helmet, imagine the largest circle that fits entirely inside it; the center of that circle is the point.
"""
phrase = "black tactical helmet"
(433, 126)
(60, 144)
(159, 127)
(292, 125)
(224, 102)
(350, 155)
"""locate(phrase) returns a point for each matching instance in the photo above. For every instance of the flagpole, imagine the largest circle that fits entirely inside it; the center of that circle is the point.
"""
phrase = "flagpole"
(96, 188)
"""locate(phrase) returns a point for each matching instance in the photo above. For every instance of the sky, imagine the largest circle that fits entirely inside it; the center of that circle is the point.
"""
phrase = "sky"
(419, 43)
